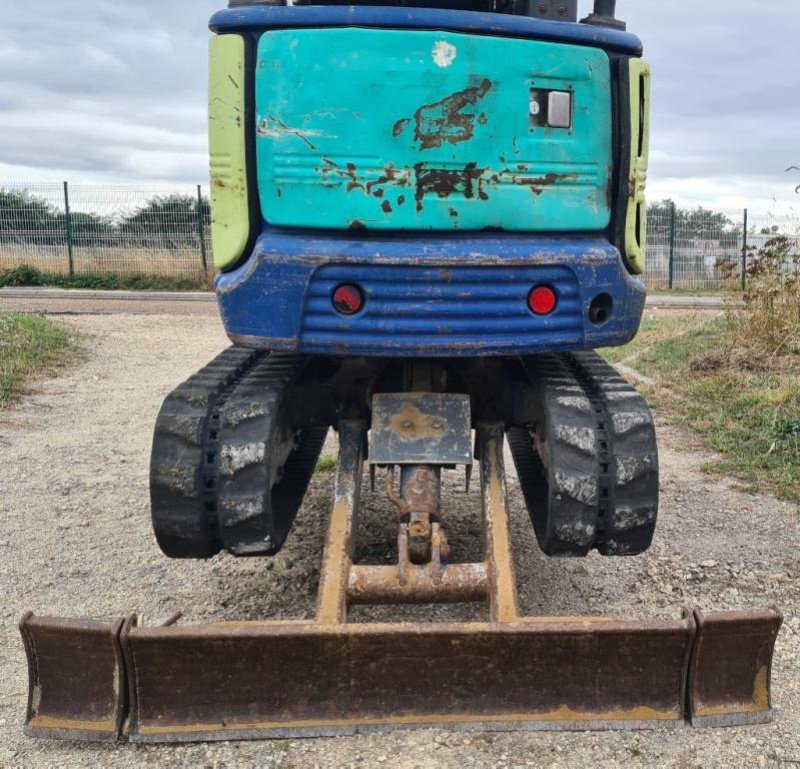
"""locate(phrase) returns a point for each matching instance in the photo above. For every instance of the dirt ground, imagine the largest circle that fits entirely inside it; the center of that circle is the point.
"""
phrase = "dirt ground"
(76, 540)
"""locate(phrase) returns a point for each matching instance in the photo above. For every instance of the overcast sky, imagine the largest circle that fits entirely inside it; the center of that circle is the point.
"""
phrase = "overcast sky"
(114, 91)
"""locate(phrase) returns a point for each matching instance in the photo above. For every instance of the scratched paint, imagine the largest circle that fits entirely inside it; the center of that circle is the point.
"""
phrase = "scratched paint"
(443, 148)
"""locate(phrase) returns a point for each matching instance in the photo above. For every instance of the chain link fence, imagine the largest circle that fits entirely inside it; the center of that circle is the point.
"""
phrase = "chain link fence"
(79, 230)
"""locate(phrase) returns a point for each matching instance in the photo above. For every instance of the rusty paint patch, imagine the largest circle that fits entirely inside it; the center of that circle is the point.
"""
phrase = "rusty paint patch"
(409, 423)
(538, 184)
(399, 126)
(444, 182)
(444, 122)
(386, 206)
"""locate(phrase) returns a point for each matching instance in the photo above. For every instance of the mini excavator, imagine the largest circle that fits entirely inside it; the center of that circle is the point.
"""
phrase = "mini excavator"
(427, 215)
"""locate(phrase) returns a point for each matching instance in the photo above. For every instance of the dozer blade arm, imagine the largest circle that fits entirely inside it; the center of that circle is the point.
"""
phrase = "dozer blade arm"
(239, 680)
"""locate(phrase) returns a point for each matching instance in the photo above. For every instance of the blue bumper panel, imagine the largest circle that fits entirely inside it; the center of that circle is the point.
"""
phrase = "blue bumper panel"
(261, 17)
(428, 296)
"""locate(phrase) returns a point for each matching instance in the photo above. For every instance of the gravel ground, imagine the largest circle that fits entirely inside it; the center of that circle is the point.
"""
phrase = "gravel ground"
(77, 541)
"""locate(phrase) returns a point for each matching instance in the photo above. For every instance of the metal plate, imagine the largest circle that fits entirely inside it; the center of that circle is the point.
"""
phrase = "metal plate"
(447, 146)
(421, 428)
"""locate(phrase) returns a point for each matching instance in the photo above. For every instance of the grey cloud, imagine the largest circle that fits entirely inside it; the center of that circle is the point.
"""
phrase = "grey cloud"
(115, 89)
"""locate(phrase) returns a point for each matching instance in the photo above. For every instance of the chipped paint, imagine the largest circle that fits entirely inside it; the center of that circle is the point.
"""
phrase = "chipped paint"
(444, 121)
(443, 53)
(474, 150)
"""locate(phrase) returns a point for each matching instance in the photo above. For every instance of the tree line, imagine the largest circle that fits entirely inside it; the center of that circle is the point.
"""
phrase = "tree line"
(164, 221)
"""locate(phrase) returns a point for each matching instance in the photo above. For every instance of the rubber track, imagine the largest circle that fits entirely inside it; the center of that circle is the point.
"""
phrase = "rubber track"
(183, 457)
(265, 466)
(590, 475)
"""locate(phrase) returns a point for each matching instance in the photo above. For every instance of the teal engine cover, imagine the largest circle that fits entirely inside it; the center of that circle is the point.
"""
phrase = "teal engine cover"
(425, 130)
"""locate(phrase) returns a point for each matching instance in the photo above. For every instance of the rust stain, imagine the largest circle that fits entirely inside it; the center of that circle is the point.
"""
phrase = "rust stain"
(538, 184)
(401, 200)
(443, 121)
(348, 172)
(389, 176)
(386, 206)
(77, 724)
(353, 184)
(759, 704)
(399, 126)
(444, 182)
(356, 224)
(562, 714)
(411, 424)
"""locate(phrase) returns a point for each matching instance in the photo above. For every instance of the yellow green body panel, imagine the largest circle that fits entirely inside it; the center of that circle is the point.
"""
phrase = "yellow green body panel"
(230, 206)
(636, 222)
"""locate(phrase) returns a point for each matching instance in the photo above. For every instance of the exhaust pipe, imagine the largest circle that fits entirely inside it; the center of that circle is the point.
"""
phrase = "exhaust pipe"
(604, 15)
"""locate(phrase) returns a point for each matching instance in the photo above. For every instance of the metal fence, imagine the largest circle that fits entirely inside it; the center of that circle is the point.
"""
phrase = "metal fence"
(703, 249)
(80, 230)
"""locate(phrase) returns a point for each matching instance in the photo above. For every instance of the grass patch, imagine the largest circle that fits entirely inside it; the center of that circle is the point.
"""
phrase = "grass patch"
(325, 465)
(29, 346)
(24, 275)
(676, 331)
(744, 401)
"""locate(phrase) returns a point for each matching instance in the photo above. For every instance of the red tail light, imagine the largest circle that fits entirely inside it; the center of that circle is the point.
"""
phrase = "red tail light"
(542, 300)
(347, 299)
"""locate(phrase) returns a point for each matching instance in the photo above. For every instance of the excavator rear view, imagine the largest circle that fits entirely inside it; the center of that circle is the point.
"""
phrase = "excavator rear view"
(427, 216)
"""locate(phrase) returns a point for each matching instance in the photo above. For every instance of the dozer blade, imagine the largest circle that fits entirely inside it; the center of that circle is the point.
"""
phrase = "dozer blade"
(77, 679)
(731, 667)
(240, 680)
(250, 680)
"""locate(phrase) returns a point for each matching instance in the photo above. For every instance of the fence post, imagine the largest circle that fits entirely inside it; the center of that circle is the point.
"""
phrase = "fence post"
(744, 253)
(68, 231)
(671, 244)
(201, 229)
